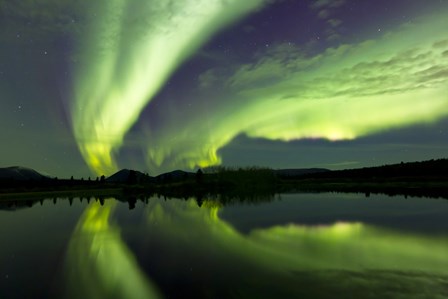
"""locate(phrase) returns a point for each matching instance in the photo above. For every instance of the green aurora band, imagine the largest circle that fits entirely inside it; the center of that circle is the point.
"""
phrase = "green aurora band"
(353, 90)
(287, 93)
(131, 50)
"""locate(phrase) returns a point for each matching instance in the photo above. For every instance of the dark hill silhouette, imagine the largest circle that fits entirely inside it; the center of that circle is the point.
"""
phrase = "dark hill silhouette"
(176, 175)
(129, 176)
(426, 178)
(16, 173)
(424, 169)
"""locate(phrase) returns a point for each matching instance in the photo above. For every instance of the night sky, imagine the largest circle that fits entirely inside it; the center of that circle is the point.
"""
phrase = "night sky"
(90, 87)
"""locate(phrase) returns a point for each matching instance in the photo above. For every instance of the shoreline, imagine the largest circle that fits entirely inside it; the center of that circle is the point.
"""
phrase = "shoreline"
(415, 188)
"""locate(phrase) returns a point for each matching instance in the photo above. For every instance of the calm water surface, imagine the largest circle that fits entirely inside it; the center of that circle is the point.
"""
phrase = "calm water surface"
(294, 246)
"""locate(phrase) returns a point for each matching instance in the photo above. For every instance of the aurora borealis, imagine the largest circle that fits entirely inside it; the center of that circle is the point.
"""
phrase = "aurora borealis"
(133, 50)
(89, 88)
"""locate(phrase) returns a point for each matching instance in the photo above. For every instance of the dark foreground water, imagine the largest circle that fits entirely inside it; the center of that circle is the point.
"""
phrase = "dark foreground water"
(295, 246)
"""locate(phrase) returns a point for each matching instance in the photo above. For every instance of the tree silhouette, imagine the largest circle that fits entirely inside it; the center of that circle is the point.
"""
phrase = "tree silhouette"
(199, 176)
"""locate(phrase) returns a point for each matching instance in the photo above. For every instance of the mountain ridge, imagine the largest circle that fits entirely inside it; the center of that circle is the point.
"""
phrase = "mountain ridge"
(20, 173)
(433, 167)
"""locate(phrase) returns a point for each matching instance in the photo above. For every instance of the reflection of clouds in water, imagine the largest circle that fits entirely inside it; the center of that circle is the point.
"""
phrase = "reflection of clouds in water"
(355, 246)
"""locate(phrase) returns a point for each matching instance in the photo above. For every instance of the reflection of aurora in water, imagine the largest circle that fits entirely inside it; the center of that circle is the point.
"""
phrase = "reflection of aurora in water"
(183, 242)
(99, 263)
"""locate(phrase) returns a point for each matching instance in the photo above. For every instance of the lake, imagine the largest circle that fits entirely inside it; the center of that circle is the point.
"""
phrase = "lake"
(306, 245)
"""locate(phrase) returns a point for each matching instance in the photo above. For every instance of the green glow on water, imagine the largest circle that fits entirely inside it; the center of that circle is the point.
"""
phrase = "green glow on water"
(181, 240)
(99, 264)
(347, 246)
